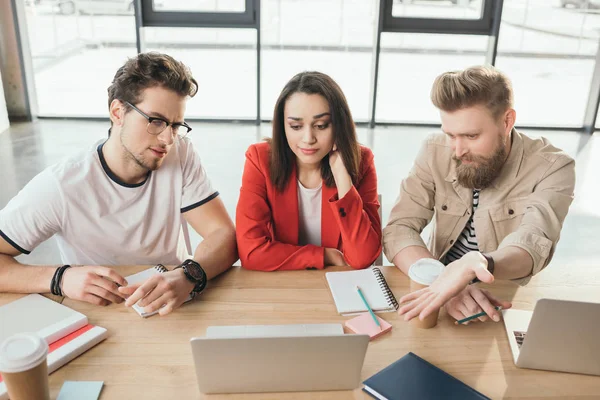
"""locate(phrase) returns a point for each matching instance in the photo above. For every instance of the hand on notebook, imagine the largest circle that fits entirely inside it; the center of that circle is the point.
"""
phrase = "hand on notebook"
(334, 257)
(93, 284)
(473, 300)
(170, 289)
(454, 278)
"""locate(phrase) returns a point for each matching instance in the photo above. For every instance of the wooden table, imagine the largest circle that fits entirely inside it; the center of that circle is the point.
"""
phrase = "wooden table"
(151, 358)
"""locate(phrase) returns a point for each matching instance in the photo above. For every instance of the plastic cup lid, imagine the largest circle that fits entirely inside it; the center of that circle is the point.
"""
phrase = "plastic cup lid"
(21, 352)
(425, 271)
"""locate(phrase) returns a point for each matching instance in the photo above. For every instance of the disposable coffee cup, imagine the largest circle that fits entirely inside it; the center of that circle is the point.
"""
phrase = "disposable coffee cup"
(23, 367)
(422, 274)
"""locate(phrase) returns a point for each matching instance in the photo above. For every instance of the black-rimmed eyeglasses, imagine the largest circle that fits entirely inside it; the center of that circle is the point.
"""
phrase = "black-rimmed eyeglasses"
(157, 125)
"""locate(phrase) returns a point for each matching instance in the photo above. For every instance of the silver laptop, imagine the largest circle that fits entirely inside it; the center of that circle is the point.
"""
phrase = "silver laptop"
(280, 358)
(558, 335)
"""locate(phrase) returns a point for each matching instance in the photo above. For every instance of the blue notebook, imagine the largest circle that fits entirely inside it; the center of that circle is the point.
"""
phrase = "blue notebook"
(411, 377)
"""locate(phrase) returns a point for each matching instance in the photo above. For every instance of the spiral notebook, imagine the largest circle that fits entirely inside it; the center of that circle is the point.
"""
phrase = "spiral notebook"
(141, 277)
(371, 282)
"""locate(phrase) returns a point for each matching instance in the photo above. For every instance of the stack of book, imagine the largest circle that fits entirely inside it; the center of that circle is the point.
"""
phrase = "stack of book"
(66, 331)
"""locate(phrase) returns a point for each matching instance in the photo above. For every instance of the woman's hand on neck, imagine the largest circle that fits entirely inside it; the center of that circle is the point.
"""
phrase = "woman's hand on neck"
(343, 180)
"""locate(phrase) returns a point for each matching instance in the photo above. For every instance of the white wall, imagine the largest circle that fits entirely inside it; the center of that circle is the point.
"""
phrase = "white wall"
(3, 111)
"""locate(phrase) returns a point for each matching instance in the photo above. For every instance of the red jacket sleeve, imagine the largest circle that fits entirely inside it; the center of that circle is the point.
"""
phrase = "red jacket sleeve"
(257, 247)
(357, 216)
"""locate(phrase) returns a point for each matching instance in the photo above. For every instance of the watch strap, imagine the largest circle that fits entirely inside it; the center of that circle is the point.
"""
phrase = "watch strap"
(490, 263)
(490, 266)
(199, 284)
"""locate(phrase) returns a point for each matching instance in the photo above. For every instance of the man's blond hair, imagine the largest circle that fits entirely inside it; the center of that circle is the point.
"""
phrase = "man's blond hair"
(478, 85)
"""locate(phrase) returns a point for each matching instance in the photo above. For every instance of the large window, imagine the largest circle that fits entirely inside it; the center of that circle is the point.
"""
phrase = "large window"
(76, 47)
(409, 62)
(546, 49)
(223, 62)
(225, 6)
(331, 36)
(453, 9)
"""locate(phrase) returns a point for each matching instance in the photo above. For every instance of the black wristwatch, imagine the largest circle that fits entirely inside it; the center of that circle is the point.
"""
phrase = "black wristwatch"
(195, 274)
(490, 266)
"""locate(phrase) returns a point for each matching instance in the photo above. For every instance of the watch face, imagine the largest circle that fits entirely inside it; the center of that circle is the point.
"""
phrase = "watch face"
(194, 270)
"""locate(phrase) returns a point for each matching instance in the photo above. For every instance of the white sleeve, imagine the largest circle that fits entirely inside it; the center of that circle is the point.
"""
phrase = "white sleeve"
(197, 189)
(34, 214)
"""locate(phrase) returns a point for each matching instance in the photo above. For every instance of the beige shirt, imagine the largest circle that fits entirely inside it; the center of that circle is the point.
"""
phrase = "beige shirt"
(524, 207)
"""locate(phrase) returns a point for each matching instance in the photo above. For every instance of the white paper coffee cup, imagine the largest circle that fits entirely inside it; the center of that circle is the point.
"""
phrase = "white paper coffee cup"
(23, 366)
(422, 274)
(425, 271)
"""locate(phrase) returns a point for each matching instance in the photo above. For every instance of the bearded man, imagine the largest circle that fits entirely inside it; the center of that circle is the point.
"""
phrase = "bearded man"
(499, 198)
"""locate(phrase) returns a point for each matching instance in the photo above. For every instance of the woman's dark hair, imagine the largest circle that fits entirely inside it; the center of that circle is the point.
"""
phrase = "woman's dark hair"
(283, 160)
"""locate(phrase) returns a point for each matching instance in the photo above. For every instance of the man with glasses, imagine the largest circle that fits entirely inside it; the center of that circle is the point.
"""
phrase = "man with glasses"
(121, 203)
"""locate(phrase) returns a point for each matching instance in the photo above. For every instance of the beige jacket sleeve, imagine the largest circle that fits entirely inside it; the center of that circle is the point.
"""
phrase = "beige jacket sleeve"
(413, 209)
(545, 212)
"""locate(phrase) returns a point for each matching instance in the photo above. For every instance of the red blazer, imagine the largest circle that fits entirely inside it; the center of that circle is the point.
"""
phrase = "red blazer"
(267, 220)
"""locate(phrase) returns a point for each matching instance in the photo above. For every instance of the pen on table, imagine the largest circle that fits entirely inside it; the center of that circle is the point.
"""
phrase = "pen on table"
(360, 293)
(481, 314)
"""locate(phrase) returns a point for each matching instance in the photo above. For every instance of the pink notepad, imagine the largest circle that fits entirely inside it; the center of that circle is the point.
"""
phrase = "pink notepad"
(364, 324)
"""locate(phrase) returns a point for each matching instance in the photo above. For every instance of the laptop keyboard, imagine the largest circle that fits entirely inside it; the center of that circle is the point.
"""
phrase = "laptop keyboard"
(520, 336)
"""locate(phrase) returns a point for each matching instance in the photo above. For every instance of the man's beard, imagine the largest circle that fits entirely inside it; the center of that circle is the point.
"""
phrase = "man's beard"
(140, 160)
(483, 172)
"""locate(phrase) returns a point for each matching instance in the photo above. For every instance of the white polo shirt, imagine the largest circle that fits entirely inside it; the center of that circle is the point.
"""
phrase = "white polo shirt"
(100, 220)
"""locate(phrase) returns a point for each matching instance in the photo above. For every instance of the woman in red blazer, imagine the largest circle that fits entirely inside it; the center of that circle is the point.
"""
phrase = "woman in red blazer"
(309, 195)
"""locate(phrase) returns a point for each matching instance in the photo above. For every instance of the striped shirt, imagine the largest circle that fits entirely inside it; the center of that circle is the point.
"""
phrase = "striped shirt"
(467, 241)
